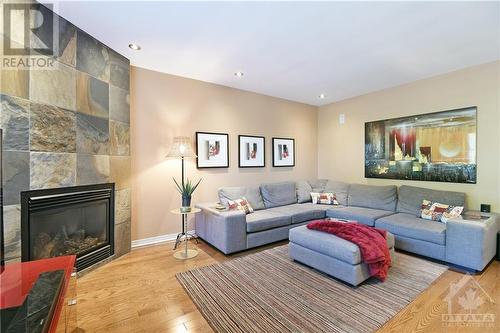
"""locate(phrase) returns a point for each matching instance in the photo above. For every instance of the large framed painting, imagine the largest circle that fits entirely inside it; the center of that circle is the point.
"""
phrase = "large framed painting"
(439, 147)
(283, 152)
(251, 151)
(212, 150)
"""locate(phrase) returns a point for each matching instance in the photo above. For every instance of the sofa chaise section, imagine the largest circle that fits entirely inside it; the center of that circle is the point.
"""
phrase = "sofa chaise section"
(411, 226)
(471, 244)
(416, 235)
(413, 233)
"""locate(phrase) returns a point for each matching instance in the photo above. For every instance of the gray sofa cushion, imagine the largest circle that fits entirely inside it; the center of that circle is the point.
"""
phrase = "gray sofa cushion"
(318, 185)
(300, 212)
(362, 215)
(410, 198)
(304, 190)
(278, 194)
(340, 189)
(329, 244)
(317, 206)
(264, 220)
(305, 187)
(252, 193)
(377, 197)
(410, 226)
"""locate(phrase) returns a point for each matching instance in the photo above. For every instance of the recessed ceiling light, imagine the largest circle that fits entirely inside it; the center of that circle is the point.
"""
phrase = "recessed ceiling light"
(322, 96)
(239, 74)
(134, 46)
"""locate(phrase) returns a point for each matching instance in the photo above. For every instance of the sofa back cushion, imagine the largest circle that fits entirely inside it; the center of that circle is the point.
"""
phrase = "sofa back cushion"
(278, 194)
(377, 197)
(318, 185)
(340, 189)
(304, 189)
(410, 198)
(251, 193)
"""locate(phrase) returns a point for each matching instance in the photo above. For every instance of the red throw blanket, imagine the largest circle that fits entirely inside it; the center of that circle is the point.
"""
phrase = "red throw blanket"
(371, 242)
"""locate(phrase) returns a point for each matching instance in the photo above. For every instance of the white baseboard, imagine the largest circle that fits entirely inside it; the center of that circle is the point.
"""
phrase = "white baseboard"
(156, 240)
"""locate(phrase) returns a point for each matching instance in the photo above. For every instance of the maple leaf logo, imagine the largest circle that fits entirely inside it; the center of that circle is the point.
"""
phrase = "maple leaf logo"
(470, 301)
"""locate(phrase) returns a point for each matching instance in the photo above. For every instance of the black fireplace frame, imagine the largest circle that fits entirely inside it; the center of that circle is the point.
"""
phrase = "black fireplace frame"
(37, 200)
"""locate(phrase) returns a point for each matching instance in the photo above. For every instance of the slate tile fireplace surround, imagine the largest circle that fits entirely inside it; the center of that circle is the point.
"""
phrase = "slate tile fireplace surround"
(67, 126)
(69, 220)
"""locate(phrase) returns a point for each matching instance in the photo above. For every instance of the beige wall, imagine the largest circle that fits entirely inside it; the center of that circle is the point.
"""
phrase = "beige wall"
(164, 106)
(341, 147)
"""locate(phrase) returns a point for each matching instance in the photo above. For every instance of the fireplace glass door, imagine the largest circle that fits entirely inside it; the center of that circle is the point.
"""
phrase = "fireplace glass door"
(78, 230)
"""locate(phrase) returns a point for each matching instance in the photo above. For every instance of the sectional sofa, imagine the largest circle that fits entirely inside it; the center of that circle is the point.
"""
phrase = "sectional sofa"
(282, 206)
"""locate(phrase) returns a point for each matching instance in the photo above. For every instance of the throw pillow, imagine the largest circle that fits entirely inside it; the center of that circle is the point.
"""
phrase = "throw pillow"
(427, 211)
(240, 204)
(324, 198)
(453, 212)
(439, 212)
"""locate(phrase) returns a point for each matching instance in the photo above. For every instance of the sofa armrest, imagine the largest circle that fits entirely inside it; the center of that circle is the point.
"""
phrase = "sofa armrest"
(471, 243)
(226, 230)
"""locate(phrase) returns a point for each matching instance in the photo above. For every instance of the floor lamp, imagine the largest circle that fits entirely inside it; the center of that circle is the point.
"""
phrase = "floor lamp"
(182, 149)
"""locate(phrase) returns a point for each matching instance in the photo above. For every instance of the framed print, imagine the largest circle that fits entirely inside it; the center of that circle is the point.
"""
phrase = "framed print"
(251, 151)
(438, 147)
(212, 150)
(283, 152)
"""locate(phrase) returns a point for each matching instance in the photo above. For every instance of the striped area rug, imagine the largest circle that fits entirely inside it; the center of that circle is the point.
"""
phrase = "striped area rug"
(267, 292)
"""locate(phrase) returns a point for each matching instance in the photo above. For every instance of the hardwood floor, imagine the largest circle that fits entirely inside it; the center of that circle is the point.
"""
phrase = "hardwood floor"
(139, 293)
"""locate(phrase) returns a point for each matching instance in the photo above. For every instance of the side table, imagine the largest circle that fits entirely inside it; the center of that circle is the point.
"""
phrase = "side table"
(184, 254)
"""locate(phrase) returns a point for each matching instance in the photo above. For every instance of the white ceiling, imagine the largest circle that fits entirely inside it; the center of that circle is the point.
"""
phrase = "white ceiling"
(297, 50)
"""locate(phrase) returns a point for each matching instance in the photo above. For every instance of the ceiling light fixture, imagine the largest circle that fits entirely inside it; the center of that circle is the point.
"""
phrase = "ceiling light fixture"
(322, 96)
(134, 46)
(239, 74)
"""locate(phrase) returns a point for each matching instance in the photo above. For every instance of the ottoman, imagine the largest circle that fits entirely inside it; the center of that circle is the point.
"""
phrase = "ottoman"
(331, 254)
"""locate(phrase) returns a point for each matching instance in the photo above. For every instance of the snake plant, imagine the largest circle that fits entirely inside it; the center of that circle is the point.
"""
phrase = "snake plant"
(188, 188)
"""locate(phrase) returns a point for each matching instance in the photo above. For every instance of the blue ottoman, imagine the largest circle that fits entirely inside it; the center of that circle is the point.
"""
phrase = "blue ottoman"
(330, 254)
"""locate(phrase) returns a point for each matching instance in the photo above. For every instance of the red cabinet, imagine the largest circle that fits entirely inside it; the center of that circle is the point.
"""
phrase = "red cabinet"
(18, 278)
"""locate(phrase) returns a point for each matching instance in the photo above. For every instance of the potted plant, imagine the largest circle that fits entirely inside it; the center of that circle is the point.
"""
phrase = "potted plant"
(186, 190)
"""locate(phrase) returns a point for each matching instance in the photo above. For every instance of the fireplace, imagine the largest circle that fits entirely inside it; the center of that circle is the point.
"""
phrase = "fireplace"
(70, 220)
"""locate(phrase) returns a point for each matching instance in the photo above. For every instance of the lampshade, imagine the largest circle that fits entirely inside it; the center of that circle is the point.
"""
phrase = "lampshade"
(181, 148)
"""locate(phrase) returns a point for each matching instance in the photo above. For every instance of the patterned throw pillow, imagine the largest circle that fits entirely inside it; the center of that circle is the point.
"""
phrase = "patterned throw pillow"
(427, 211)
(324, 198)
(453, 212)
(439, 212)
(240, 204)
